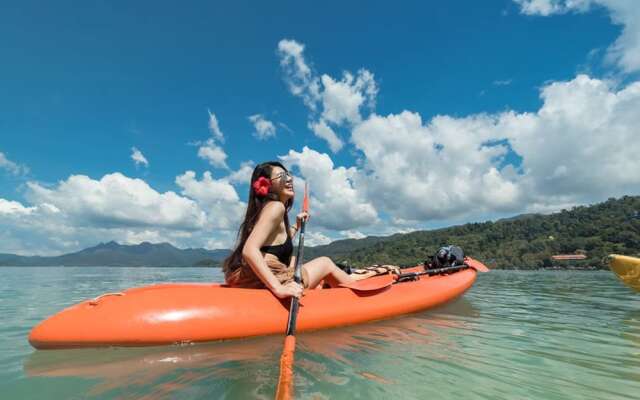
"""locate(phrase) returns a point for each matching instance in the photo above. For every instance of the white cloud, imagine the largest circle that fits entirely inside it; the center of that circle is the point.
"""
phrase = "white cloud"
(343, 99)
(214, 127)
(213, 153)
(138, 158)
(582, 144)
(45, 233)
(12, 167)
(315, 238)
(117, 201)
(625, 52)
(146, 235)
(8, 207)
(323, 131)
(626, 49)
(353, 234)
(264, 128)
(210, 150)
(242, 175)
(549, 7)
(335, 203)
(575, 149)
(214, 244)
(285, 127)
(403, 161)
(25, 230)
(300, 79)
(217, 196)
(81, 212)
(415, 171)
(207, 190)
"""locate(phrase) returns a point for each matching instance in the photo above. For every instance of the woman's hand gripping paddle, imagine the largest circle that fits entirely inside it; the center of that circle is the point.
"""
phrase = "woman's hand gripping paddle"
(285, 382)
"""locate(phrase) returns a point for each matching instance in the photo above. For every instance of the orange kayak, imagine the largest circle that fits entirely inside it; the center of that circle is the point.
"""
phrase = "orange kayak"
(191, 312)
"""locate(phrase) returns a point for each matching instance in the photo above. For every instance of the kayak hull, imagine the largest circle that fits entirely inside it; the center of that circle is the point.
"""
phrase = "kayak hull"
(191, 312)
(627, 269)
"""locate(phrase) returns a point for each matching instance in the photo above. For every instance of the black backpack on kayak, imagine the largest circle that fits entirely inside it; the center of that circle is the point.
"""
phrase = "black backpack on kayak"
(447, 256)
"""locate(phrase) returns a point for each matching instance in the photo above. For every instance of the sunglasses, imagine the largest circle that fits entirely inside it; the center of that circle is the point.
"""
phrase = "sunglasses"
(285, 175)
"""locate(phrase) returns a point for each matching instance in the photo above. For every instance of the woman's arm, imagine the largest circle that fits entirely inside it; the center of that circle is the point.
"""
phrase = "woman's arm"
(268, 222)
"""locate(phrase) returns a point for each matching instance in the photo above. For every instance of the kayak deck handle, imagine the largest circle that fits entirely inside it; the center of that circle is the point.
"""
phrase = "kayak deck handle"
(94, 301)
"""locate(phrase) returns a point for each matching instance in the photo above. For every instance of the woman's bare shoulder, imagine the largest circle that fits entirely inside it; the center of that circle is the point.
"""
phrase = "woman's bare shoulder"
(273, 210)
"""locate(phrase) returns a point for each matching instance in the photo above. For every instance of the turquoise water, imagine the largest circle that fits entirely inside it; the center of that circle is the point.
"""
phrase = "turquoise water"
(514, 335)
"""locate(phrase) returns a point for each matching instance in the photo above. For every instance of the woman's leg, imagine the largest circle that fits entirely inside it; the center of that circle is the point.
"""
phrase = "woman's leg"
(324, 268)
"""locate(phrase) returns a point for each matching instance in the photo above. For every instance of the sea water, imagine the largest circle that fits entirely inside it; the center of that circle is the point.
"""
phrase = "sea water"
(514, 335)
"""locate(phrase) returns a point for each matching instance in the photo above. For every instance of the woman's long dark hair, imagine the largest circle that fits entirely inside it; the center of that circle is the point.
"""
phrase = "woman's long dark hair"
(254, 206)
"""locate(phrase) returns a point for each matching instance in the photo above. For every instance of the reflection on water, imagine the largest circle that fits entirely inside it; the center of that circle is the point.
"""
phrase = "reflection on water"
(561, 335)
(155, 371)
(235, 362)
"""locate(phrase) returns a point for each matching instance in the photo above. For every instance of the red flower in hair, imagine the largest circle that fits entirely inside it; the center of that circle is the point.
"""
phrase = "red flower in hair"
(261, 186)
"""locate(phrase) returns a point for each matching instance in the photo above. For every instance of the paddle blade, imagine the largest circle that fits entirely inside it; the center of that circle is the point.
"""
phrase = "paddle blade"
(475, 264)
(285, 382)
(371, 284)
(305, 200)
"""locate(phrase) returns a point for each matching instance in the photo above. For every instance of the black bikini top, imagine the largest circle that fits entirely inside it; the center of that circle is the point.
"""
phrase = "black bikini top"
(282, 251)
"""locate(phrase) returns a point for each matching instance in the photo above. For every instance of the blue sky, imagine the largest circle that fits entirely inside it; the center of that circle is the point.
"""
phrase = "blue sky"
(85, 83)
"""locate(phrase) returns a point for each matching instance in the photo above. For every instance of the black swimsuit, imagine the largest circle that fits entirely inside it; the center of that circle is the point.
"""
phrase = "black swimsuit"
(282, 251)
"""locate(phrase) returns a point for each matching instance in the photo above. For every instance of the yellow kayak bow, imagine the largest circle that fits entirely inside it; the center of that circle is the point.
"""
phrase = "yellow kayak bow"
(627, 269)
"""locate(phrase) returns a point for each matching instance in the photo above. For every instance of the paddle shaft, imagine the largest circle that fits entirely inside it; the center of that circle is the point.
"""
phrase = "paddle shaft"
(284, 390)
(297, 276)
(414, 275)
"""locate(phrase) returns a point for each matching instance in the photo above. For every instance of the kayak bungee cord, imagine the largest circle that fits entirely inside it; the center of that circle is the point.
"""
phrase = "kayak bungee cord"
(285, 381)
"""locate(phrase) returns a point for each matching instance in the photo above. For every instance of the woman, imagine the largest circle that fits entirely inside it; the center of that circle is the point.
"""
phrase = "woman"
(263, 255)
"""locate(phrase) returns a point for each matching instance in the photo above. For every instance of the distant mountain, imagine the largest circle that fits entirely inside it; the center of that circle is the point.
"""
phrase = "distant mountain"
(113, 254)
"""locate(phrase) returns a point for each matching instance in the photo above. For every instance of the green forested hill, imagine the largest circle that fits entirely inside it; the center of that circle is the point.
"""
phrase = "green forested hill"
(524, 242)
